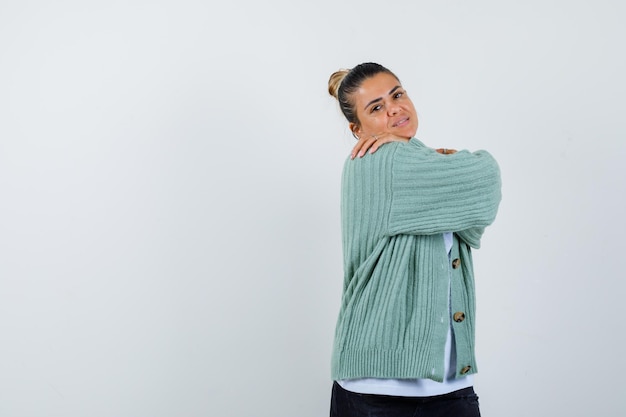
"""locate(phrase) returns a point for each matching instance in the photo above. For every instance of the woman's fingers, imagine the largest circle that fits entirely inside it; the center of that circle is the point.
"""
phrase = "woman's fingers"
(371, 143)
(380, 141)
(446, 151)
(362, 146)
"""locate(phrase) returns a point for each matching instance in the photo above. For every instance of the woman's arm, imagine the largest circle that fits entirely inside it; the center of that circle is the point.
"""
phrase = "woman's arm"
(433, 193)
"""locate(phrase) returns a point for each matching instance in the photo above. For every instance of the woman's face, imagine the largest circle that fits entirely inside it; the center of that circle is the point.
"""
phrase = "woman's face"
(383, 106)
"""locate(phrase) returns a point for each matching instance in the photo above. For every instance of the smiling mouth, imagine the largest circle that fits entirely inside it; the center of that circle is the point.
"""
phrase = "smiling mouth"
(401, 122)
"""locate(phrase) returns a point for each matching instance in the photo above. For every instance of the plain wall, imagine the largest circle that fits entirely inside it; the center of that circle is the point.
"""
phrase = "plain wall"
(169, 198)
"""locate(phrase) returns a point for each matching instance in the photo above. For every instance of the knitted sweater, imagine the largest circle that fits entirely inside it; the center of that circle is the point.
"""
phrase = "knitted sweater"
(395, 205)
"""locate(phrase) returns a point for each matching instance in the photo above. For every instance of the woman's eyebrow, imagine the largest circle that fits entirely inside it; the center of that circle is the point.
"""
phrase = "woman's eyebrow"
(380, 98)
(394, 89)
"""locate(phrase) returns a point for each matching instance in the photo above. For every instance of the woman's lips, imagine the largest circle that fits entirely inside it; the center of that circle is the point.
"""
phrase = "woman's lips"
(401, 122)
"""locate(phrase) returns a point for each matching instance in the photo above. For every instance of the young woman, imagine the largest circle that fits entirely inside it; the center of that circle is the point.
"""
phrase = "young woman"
(404, 342)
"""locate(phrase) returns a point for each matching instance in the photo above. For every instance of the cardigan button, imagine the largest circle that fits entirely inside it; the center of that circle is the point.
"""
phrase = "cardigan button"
(459, 316)
(456, 263)
(465, 370)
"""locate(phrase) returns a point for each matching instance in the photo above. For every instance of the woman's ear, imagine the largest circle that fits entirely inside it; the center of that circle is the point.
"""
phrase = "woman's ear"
(356, 130)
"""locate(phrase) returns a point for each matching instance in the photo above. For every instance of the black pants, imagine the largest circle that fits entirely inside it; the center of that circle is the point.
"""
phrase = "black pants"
(461, 403)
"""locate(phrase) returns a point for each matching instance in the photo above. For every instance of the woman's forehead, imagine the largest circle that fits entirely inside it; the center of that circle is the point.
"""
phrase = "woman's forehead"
(379, 85)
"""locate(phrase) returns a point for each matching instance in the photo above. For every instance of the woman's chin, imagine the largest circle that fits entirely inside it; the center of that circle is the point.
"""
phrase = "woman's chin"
(408, 134)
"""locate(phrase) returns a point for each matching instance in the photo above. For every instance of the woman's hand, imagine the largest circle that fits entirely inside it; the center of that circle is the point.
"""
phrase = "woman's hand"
(371, 143)
(446, 151)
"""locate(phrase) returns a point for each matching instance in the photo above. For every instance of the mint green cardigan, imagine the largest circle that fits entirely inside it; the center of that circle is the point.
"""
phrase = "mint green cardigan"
(395, 205)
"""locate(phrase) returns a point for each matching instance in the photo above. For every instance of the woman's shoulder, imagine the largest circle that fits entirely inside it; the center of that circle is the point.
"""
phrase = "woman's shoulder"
(377, 165)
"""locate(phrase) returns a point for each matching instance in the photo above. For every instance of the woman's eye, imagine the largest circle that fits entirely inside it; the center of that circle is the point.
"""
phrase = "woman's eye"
(398, 95)
(375, 108)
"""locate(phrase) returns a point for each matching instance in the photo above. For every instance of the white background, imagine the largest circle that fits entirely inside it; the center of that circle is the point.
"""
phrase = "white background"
(169, 198)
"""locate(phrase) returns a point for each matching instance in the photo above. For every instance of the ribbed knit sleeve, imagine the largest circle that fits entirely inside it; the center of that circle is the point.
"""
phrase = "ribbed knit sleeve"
(366, 193)
(434, 193)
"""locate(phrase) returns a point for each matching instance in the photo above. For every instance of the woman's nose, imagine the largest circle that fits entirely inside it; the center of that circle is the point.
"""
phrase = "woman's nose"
(393, 110)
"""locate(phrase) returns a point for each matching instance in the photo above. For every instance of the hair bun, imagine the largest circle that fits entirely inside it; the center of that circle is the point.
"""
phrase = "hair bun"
(335, 81)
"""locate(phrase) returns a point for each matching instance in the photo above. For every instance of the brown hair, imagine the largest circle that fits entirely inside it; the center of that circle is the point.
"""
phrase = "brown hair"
(343, 84)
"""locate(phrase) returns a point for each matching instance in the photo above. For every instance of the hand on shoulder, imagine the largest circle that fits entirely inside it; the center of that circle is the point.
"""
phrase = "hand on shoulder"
(371, 143)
